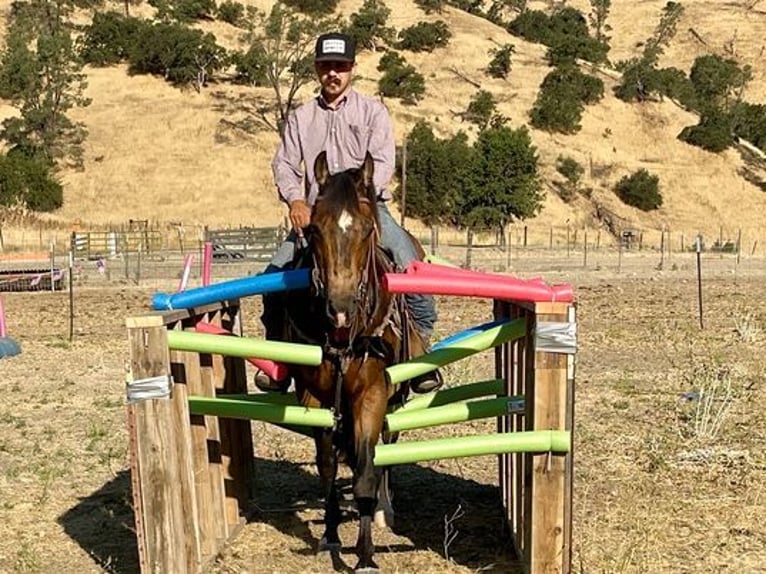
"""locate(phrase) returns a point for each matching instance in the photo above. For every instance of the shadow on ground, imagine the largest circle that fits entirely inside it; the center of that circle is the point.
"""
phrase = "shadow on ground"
(422, 499)
(103, 525)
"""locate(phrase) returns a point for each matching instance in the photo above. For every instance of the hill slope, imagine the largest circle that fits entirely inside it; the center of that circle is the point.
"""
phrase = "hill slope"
(155, 152)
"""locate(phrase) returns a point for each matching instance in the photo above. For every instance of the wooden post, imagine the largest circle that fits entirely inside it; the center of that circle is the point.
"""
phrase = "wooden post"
(161, 470)
(404, 181)
(550, 400)
(190, 474)
(536, 489)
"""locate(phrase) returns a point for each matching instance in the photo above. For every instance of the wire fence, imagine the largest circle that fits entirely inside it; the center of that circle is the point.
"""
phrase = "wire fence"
(147, 258)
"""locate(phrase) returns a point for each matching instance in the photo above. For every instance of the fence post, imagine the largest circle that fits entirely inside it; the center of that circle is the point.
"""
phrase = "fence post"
(585, 249)
(469, 248)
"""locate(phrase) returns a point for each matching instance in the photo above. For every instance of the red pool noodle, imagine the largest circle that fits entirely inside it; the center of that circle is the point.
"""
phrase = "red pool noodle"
(469, 280)
(277, 371)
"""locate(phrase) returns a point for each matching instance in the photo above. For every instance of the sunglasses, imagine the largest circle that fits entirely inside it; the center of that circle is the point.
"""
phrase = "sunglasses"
(338, 66)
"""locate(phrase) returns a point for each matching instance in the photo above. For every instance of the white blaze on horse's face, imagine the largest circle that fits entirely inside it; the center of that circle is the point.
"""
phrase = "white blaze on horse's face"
(345, 221)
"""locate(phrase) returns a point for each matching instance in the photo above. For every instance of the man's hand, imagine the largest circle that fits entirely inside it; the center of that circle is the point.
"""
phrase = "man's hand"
(300, 215)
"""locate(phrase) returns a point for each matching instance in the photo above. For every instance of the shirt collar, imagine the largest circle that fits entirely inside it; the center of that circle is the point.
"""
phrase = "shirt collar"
(344, 102)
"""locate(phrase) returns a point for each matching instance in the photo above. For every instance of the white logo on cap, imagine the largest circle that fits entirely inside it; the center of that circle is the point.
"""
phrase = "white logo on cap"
(334, 46)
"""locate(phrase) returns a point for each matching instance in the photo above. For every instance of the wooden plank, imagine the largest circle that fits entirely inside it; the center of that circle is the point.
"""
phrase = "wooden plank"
(165, 506)
(187, 372)
(158, 318)
(213, 442)
(236, 435)
(546, 530)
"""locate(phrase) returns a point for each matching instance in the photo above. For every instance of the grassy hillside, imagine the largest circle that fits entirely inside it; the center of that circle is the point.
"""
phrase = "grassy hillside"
(159, 153)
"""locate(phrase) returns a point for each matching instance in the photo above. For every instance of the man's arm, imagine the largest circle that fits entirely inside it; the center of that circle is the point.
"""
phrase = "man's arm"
(383, 150)
(286, 165)
(288, 174)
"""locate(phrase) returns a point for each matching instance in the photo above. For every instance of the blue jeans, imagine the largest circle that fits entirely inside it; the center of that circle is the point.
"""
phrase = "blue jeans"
(396, 240)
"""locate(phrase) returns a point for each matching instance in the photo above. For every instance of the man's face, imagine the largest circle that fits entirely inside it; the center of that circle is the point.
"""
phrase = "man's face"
(334, 76)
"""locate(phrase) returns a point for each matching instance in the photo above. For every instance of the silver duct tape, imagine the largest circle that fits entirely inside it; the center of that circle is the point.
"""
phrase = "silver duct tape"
(555, 337)
(149, 388)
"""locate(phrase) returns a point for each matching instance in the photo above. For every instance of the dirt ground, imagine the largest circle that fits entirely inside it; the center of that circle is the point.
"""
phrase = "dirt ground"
(670, 440)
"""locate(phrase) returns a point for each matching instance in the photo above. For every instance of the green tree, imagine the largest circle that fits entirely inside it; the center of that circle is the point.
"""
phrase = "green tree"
(231, 12)
(500, 64)
(368, 26)
(313, 7)
(108, 39)
(28, 182)
(482, 110)
(430, 6)
(572, 171)
(424, 36)
(597, 17)
(438, 173)
(181, 55)
(638, 74)
(400, 79)
(506, 184)
(286, 40)
(718, 82)
(714, 132)
(41, 74)
(749, 123)
(184, 11)
(641, 189)
(560, 101)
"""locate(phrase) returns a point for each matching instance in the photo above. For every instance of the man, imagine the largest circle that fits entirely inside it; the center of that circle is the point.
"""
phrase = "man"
(346, 125)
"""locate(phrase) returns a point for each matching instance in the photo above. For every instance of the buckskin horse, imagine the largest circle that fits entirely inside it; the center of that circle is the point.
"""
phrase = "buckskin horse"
(362, 329)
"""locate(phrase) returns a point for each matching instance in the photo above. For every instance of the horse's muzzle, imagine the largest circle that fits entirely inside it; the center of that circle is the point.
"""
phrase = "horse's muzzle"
(341, 313)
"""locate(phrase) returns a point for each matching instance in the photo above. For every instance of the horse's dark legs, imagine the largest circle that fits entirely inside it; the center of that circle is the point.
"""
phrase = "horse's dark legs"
(366, 480)
(369, 407)
(327, 463)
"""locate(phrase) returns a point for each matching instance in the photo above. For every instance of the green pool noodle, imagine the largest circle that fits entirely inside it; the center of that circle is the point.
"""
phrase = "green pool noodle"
(454, 413)
(495, 443)
(459, 350)
(454, 394)
(293, 353)
(272, 398)
(238, 409)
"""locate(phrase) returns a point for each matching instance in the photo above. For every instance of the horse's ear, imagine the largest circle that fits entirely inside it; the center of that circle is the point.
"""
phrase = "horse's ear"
(321, 170)
(368, 170)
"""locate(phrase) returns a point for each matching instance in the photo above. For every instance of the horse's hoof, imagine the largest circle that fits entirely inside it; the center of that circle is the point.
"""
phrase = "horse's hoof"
(325, 546)
(384, 518)
(367, 570)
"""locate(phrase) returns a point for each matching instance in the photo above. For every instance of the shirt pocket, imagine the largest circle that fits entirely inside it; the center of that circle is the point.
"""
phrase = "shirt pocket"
(358, 142)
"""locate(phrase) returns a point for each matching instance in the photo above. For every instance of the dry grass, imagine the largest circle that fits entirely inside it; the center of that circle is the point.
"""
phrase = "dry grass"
(157, 153)
(657, 489)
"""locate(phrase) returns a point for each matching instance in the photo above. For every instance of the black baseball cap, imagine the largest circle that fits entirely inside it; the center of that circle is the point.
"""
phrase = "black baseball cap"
(335, 47)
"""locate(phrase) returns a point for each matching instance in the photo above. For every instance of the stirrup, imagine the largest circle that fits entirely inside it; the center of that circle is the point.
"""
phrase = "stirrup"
(427, 382)
(268, 385)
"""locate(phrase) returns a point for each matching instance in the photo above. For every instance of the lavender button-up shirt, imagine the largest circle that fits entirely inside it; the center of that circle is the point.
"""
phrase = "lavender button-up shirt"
(360, 124)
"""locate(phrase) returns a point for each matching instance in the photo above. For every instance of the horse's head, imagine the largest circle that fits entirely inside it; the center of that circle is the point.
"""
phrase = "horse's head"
(343, 235)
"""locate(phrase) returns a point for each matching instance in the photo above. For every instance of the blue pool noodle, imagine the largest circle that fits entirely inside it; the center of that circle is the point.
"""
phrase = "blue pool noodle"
(452, 339)
(228, 290)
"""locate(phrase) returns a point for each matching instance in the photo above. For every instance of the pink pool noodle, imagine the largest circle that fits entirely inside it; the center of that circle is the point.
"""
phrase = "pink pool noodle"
(188, 260)
(277, 371)
(207, 263)
(513, 290)
(562, 292)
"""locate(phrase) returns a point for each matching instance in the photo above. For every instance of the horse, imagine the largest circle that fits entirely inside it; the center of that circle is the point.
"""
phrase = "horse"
(362, 329)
